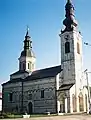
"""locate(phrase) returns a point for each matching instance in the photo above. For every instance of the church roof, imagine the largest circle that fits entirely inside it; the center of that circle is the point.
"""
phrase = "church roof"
(65, 87)
(27, 52)
(19, 72)
(38, 74)
(44, 73)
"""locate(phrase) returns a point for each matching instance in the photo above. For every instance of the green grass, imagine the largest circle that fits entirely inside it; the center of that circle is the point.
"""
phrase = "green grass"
(11, 116)
(43, 115)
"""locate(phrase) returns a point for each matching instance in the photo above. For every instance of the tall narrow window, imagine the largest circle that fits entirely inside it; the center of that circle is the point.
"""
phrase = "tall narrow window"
(28, 65)
(78, 48)
(74, 103)
(10, 97)
(67, 47)
(24, 66)
(42, 93)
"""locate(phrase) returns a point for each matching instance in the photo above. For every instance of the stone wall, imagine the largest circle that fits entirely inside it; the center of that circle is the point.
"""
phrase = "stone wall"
(30, 92)
(15, 104)
(40, 105)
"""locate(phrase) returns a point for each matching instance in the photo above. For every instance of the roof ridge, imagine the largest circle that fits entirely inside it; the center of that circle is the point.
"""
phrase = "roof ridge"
(47, 68)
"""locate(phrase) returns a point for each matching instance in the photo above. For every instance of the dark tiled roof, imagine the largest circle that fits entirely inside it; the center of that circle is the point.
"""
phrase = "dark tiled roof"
(19, 72)
(38, 74)
(44, 73)
(65, 87)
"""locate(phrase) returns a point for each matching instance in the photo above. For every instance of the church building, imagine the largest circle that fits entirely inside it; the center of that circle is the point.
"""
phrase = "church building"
(58, 89)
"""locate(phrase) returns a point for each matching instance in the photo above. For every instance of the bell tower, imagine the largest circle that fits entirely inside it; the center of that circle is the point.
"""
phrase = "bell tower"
(71, 48)
(27, 58)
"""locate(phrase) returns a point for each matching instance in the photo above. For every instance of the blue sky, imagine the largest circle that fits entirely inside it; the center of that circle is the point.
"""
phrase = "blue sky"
(44, 17)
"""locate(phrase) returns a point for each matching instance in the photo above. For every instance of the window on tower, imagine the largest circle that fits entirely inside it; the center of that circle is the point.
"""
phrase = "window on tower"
(23, 66)
(67, 47)
(78, 48)
(28, 65)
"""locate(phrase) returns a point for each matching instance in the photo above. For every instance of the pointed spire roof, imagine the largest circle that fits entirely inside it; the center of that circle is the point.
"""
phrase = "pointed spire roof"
(28, 52)
(27, 33)
(69, 21)
(27, 41)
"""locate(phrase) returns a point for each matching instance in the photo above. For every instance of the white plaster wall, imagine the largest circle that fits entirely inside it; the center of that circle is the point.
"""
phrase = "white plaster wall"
(57, 81)
(72, 91)
(85, 92)
(76, 93)
(26, 60)
(78, 60)
(67, 60)
(0, 104)
(71, 63)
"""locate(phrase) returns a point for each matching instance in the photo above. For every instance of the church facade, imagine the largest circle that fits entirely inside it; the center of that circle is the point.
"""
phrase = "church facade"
(57, 89)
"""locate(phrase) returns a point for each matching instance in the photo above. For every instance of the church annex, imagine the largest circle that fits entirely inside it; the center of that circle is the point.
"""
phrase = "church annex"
(57, 89)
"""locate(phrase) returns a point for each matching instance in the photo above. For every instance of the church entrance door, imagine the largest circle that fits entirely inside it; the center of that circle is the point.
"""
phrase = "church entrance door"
(30, 108)
(62, 105)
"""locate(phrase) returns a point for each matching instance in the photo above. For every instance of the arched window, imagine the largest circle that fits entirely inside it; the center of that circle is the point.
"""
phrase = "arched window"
(67, 47)
(28, 65)
(74, 102)
(81, 102)
(78, 48)
(42, 93)
(24, 67)
(10, 97)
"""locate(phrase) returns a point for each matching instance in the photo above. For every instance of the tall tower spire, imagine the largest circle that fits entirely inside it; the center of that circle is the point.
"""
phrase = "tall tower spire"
(69, 22)
(27, 41)
(27, 58)
(71, 54)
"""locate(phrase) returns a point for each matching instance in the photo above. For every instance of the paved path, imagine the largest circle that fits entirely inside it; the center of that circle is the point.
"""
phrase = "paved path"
(71, 117)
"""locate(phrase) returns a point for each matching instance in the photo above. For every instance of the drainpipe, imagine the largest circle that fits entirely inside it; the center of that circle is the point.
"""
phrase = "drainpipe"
(22, 98)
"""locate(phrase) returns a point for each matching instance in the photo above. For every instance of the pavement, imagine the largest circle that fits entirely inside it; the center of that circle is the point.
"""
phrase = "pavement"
(68, 117)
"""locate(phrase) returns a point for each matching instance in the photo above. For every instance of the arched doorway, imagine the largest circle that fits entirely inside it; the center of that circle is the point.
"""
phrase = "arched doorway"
(86, 101)
(62, 102)
(74, 102)
(30, 108)
(81, 105)
(62, 105)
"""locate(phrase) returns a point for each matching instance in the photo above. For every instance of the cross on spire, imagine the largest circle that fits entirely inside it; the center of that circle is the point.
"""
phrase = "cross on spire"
(27, 41)
(27, 30)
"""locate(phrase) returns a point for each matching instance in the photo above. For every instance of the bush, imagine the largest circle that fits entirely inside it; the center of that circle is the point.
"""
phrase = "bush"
(6, 115)
(1, 117)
